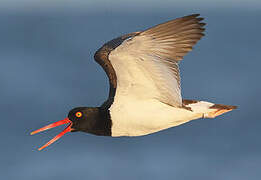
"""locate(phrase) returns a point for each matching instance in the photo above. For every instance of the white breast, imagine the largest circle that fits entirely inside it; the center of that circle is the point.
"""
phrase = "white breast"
(133, 117)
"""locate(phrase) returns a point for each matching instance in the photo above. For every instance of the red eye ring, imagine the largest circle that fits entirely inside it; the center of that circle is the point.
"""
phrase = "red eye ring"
(78, 114)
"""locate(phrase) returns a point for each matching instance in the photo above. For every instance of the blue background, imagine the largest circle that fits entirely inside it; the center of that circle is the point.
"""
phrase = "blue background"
(47, 68)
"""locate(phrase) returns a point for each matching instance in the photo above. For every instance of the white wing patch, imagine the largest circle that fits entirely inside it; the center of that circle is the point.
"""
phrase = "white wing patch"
(144, 75)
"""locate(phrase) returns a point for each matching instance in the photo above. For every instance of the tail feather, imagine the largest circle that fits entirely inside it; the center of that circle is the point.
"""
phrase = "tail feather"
(219, 109)
(208, 110)
(222, 106)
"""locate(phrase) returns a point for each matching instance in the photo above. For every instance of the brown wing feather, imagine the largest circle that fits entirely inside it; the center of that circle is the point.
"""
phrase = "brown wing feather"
(178, 35)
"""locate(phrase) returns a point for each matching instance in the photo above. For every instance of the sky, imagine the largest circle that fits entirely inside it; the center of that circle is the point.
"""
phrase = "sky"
(126, 5)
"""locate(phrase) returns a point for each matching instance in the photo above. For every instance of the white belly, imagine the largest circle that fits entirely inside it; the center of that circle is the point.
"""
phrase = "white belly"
(136, 117)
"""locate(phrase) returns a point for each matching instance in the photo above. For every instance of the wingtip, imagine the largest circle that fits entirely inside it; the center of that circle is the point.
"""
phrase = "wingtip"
(200, 19)
(195, 15)
(234, 107)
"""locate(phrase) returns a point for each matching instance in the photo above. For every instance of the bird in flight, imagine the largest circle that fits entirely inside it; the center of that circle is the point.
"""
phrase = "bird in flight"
(145, 94)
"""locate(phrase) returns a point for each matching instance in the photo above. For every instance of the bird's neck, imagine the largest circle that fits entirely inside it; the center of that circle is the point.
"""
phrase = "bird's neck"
(100, 122)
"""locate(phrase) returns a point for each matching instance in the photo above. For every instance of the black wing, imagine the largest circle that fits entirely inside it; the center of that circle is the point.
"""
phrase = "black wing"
(102, 58)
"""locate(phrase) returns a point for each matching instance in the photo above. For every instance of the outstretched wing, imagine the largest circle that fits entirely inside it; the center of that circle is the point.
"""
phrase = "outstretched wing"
(144, 64)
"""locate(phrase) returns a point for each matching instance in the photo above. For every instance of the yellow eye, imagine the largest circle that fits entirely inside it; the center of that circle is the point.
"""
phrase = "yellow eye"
(78, 114)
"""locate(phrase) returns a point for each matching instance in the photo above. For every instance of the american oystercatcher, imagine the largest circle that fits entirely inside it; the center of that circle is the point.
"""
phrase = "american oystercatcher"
(145, 95)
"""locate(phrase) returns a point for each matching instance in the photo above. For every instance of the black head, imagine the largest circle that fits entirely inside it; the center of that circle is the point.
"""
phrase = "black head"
(87, 119)
(83, 118)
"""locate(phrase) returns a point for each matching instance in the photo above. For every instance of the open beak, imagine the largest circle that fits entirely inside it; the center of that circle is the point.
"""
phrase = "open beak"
(58, 123)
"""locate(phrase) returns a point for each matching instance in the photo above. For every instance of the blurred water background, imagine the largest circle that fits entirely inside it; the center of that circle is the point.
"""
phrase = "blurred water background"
(47, 68)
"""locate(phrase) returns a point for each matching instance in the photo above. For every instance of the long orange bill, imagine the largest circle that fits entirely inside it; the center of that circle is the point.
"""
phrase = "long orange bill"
(58, 123)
